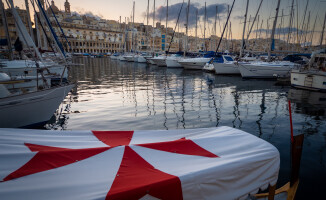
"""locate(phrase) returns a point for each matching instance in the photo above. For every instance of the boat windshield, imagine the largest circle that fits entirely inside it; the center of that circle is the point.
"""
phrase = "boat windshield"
(228, 58)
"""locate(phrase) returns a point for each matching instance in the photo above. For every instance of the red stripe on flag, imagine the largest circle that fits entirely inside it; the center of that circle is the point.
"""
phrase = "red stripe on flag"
(181, 146)
(48, 158)
(136, 178)
(114, 138)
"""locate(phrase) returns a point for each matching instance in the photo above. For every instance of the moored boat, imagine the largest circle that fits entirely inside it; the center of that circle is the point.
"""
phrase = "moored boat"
(194, 63)
(269, 70)
(159, 61)
(29, 68)
(225, 64)
(129, 58)
(172, 61)
(313, 76)
(33, 108)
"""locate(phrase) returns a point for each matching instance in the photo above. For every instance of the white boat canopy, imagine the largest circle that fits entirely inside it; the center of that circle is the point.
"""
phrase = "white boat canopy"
(207, 163)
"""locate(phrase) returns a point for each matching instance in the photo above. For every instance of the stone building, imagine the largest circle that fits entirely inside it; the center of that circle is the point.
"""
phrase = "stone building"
(11, 24)
(85, 33)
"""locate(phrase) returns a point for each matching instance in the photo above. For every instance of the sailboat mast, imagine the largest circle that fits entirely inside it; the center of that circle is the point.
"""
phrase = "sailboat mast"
(153, 28)
(253, 23)
(306, 30)
(215, 24)
(290, 23)
(244, 29)
(303, 22)
(196, 29)
(166, 24)
(313, 31)
(5, 24)
(322, 33)
(205, 29)
(147, 11)
(227, 31)
(219, 42)
(133, 25)
(186, 43)
(29, 20)
(215, 31)
(273, 31)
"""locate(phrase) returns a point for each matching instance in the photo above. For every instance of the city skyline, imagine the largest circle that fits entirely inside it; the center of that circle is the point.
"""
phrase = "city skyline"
(112, 11)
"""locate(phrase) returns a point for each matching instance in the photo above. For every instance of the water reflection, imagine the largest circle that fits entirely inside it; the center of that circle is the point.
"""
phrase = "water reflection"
(114, 95)
(309, 102)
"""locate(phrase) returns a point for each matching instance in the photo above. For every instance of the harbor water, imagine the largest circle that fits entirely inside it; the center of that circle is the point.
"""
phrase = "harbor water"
(115, 95)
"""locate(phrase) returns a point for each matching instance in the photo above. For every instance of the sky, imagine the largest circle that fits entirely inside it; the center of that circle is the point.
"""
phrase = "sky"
(113, 9)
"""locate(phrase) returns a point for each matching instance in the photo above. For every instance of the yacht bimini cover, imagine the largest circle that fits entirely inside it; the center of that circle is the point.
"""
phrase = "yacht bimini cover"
(209, 163)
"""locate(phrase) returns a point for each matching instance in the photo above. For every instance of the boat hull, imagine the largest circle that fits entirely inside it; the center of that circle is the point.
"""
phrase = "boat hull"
(309, 80)
(129, 58)
(195, 64)
(226, 68)
(173, 63)
(269, 72)
(121, 58)
(159, 62)
(31, 108)
(32, 71)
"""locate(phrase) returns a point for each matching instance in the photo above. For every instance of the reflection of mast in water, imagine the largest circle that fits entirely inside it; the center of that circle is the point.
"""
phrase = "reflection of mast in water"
(211, 96)
(276, 115)
(123, 92)
(134, 92)
(201, 91)
(262, 109)
(173, 100)
(182, 103)
(164, 102)
(147, 93)
(236, 111)
(153, 94)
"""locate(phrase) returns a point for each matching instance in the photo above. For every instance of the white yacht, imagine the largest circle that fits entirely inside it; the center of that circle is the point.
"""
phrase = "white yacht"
(29, 68)
(314, 76)
(309, 79)
(30, 109)
(172, 61)
(266, 69)
(129, 58)
(114, 56)
(225, 64)
(122, 58)
(194, 63)
(159, 61)
(141, 58)
(25, 82)
(149, 60)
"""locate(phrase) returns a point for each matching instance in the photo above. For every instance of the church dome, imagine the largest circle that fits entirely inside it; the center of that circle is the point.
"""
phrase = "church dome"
(54, 8)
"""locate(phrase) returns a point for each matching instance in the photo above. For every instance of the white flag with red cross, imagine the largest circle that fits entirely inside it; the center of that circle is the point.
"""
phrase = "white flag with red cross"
(207, 163)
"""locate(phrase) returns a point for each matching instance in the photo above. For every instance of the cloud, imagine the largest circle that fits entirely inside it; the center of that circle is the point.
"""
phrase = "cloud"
(282, 31)
(241, 17)
(175, 9)
(81, 12)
